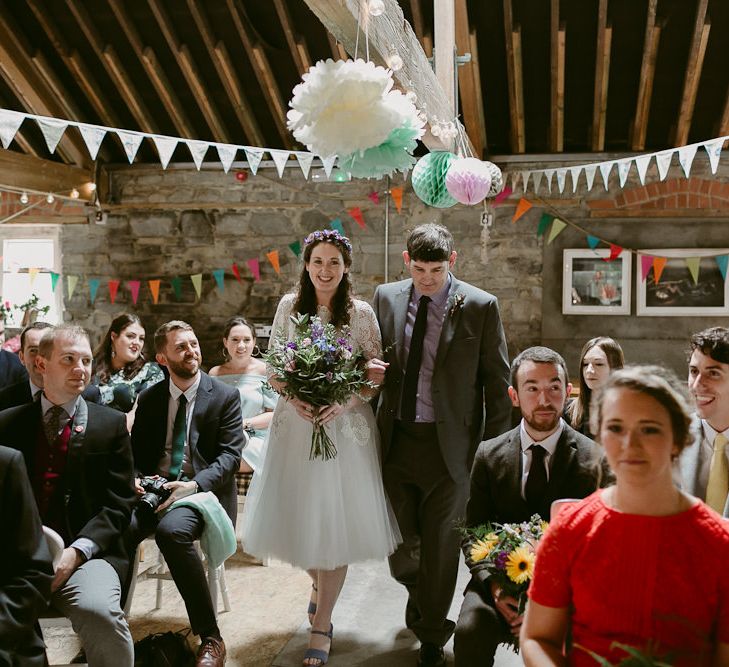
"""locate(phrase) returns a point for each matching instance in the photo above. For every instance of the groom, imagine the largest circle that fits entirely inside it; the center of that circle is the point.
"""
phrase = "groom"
(445, 389)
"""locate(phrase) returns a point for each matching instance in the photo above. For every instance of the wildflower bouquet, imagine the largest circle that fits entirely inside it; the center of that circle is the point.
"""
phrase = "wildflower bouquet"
(319, 367)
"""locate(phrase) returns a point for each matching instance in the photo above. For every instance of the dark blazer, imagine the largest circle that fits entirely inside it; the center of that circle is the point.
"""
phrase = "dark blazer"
(216, 436)
(11, 369)
(576, 470)
(26, 572)
(19, 394)
(98, 478)
(471, 374)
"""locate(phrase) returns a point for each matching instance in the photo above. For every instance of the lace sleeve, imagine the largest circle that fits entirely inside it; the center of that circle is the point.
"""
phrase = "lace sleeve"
(280, 323)
(365, 330)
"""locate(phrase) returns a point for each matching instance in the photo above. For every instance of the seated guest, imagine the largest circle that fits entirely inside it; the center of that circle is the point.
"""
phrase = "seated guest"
(188, 430)
(30, 387)
(25, 567)
(79, 463)
(599, 357)
(121, 371)
(11, 369)
(640, 563)
(704, 467)
(514, 476)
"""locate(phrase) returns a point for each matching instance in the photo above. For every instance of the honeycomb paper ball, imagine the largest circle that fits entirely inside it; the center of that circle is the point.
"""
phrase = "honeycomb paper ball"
(468, 180)
(429, 176)
(497, 180)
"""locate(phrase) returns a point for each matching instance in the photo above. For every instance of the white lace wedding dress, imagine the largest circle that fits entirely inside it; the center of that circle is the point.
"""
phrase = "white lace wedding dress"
(322, 514)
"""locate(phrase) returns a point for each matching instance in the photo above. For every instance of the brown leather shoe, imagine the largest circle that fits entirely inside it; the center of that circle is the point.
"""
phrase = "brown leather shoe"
(211, 653)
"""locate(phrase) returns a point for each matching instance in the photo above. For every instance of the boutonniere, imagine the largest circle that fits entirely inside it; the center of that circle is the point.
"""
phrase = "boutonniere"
(456, 302)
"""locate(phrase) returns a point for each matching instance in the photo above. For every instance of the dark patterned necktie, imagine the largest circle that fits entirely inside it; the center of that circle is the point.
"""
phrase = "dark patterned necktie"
(415, 356)
(179, 431)
(52, 422)
(536, 484)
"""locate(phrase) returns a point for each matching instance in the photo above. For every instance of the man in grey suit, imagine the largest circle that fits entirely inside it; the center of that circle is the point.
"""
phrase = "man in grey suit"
(508, 486)
(704, 467)
(445, 389)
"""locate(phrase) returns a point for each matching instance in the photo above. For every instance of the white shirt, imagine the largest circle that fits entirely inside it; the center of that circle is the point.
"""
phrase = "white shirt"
(707, 451)
(549, 443)
(174, 402)
(34, 390)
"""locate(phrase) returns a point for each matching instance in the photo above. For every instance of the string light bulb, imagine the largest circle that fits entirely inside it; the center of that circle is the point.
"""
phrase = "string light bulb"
(50, 198)
(74, 193)
(376, 7)
(92, 187)
(24, 198)
(394, 61)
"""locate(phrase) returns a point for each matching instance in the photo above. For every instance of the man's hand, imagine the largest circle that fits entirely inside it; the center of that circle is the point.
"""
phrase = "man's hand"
(375, 371)
(508, 607)
(179, 490)
(70, 561)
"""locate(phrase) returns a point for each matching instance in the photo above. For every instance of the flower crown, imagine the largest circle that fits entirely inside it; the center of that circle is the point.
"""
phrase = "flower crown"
(330, 236)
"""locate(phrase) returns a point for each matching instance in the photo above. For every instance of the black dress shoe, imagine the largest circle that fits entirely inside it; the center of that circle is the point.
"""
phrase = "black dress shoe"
(431, 655)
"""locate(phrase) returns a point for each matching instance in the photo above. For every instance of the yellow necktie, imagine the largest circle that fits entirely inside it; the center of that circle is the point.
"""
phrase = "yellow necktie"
(718, 486)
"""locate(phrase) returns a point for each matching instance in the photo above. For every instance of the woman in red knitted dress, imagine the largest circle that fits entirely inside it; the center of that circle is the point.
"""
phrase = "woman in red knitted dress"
(639, 563)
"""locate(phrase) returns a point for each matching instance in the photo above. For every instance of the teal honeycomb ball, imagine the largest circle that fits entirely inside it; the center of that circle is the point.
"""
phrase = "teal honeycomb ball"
(429, 179)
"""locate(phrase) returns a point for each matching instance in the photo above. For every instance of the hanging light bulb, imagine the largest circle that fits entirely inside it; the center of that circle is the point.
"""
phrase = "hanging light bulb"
(92, 187)
(24, 198)
(50, 198)
(376, 7)
(394, 61)
(74, 193)
(411, 96)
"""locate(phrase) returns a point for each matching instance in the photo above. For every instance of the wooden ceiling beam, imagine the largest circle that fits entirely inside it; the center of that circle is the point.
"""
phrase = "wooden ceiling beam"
(34, 173)
(647, 75)
(602, 76)
(226, 71)
(338, 52)
(514, 80)
(264, 74)
(557, 45)
(297, 46)
(418, 22)
(155, 72)
(694, 65)
(724, 122)
(468, 85)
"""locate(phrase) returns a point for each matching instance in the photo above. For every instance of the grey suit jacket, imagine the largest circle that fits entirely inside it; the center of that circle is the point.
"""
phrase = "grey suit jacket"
(471, 374)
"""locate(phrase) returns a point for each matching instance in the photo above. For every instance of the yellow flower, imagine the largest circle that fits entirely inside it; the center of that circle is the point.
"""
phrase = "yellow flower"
(544, 525)
(482, 548)
(520, 565)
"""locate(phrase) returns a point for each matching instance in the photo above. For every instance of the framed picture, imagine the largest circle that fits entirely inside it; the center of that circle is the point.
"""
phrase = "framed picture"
(593, 286)
(676, 293)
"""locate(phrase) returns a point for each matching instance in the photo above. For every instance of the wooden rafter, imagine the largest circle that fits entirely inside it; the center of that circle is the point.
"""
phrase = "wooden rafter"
(469, 86)
(694, 65)
(297, 46)
(602, 76)
(148, 59)
(444, 20)
(226, 71)
(514, 79)
(647, 74)
(724, 122)
(34, 173)
(338, 52)
(478, 96)
(557, 45)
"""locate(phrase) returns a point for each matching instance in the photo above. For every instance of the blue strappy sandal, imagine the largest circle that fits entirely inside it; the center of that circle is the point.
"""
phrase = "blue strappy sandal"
(311, 609)
(317, 653)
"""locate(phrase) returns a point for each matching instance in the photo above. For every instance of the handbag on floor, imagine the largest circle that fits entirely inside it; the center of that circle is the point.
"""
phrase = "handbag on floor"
(164, 649)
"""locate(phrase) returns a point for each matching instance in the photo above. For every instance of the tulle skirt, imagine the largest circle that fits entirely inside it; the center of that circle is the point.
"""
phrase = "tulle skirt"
(319, 514)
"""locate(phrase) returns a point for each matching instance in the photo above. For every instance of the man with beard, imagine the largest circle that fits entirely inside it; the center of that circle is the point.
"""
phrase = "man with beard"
(514, 476)
(188, 430)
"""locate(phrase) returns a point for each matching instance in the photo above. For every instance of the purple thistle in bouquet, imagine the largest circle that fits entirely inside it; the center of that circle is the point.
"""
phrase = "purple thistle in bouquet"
(319, 367)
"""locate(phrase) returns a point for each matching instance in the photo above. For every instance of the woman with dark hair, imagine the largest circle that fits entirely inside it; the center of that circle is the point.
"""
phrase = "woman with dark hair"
(248, 375)
(599, 357)
(640, 563)
(121, 371)
(322, 515)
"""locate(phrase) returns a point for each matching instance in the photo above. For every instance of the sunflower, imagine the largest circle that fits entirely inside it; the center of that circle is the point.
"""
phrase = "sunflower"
(544, 525)
(482, 548)
(520, 565)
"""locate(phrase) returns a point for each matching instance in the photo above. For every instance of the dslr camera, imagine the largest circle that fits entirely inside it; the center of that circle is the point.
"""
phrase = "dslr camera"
(154, 493)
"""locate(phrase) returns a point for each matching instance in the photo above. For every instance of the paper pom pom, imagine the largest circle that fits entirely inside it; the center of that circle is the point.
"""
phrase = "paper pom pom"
(497, 179)
(343, 107)
(429, 179)
(468, 180)
(394, 154)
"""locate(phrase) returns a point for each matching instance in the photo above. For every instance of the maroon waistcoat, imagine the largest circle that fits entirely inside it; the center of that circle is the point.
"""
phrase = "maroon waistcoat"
(48, 487)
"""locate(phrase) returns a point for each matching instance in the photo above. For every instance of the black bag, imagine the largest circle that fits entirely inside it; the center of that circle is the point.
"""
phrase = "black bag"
(164, 649)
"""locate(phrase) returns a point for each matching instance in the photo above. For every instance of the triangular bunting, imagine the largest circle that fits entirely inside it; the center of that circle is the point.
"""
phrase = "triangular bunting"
(659, 263)
(561, 177)
(646, 261)
(590, 170)
(397, 198)
(514, 180)
(548, 173)
(197, 150)
(328, 164)
(575, 173)
(154, 289)
(236, 271)
(93, 288)
(165, 147)
(54, 280)
(305, 160)
(52, 130)
(374, 197)
(538, 176)
(663, 162)
(255, 268)
(254, 157)
(295, 248)
(131, 142)
(273, 258)
(219, 275)
(113, 289)
(722, 261)
(10, 122)
(504, 194)
(32, 273)
(544, 222)
(525, 179)
(227, 154)
(615, 251)
(593, 241)
(624, 170)
(133, 287)
(686, 157)
(176, 283)
(71, 284)
(337, 224)
(196, 279)
(521, 208)
(356, 213)
(641, 164)
(280, 158)
(605, 168)
(693, 266)
(557, 228)
(92, 135)
(713, 148)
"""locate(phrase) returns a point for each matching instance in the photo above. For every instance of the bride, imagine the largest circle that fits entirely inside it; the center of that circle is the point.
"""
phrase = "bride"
(322, 515)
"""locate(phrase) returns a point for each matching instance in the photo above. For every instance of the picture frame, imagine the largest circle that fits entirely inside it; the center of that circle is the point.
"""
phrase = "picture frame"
(677, 294)
(593, 286)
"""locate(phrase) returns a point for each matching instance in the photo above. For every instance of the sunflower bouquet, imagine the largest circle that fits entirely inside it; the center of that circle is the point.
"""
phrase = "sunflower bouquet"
(318, 366)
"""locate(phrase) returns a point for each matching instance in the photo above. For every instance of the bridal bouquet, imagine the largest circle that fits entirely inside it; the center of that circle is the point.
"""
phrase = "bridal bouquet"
(319, 367)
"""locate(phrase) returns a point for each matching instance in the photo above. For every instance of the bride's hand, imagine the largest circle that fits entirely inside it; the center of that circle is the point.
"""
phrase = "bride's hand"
(303, 409)
(329, 412)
